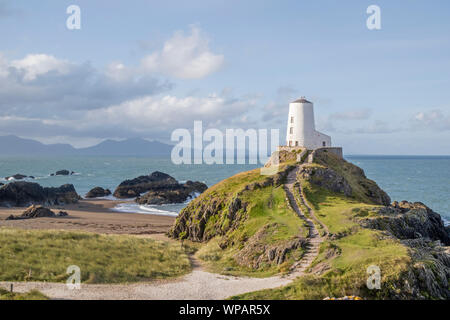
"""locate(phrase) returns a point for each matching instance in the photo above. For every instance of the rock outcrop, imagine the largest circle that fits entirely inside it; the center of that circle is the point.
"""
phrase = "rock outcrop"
(23, 194)
(62, 173)
(37, 212)
(18, 176)
(98, 192)
(160, 188)
(326, 178)
(407, 220)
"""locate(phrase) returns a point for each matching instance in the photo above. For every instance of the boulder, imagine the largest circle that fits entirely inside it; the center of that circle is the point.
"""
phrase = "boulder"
(18, 176)
(159, 188)
(62, 173)
(34, 212)
(98, 192)
(22, 194)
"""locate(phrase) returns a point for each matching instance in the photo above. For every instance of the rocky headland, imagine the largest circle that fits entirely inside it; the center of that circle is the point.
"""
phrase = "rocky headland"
(247, 224)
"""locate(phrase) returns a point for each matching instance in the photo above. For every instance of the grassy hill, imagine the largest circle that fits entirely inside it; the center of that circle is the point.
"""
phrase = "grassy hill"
(245, 226)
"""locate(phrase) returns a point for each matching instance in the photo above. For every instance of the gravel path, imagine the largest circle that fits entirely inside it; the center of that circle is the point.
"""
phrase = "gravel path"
(198, 285)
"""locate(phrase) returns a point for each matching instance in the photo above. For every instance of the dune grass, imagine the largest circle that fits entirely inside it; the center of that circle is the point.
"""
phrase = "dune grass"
(45, 256)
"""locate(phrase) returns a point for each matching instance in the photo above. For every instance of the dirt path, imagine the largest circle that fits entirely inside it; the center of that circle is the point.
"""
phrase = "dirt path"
(197, 285)
(314, 239)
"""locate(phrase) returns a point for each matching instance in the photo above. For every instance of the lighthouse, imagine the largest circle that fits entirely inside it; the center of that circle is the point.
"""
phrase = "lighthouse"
(301, 129)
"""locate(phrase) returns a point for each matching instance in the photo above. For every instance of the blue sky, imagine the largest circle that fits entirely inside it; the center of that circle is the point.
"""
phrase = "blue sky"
(232, 64)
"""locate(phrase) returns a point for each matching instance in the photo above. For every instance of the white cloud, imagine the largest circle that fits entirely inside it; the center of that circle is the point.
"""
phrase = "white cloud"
(34, 65)
(169, 112)
(184, 56)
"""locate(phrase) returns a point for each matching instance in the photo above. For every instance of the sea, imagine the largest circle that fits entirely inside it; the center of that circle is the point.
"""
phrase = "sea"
(413, 178)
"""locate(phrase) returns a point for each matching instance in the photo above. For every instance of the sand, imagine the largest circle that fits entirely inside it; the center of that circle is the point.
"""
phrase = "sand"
(92, 216)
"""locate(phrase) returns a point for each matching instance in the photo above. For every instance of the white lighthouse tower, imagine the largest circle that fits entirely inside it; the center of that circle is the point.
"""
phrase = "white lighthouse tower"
(301, 129)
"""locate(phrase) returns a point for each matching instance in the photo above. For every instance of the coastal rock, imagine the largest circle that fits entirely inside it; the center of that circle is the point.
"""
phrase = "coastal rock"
(134, 187)
(18, 176)
(62, 173)
(175, 194)
(22, 194)
(34, 212)
(98, 192)
(161, 188)
(408, 220)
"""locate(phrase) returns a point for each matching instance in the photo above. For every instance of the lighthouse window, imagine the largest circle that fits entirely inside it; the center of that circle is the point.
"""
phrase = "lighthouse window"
(291, 130)
(292, 119)
(324, 143)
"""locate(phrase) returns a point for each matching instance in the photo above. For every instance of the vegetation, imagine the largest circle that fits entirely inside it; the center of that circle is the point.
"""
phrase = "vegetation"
(341, 267)
(46, 255)
(32, 295)
(270, 222)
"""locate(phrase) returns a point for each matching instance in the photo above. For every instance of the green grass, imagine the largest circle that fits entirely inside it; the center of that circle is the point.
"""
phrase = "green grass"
(45, 256)
(345, 259)
(267, 208)
(32, 295)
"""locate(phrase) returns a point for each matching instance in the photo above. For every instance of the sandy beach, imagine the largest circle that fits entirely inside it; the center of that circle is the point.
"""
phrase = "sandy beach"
(93, 216)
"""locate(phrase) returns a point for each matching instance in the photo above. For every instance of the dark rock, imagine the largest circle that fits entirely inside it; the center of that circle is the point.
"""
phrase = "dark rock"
(62, 214)
(160, 187)
(63, 173)
(135, 187)
(22, 194)
(37, 212)
(407, 220)
(98, 192)
(17, 176)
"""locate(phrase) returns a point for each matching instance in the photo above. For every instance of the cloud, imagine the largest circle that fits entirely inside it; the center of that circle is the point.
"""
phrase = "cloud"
(149, 116)
(184, 56)
(34, 65)
(40, 85)
(433, 119)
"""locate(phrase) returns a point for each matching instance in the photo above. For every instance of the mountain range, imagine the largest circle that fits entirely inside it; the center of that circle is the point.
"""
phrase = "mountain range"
(13, 145)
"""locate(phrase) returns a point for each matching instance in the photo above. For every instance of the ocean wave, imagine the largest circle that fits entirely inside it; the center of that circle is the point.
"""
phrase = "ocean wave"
(144, 209)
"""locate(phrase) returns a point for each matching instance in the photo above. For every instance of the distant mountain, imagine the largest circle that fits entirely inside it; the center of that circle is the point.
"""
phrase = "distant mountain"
(12, 145)
(129, 147)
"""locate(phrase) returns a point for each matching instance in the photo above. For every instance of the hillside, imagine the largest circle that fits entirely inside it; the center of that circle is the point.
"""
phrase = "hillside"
(257, 225)
(15, 146)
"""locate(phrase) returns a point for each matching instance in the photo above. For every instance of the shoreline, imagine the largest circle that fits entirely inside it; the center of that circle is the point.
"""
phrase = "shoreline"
(94, 215)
